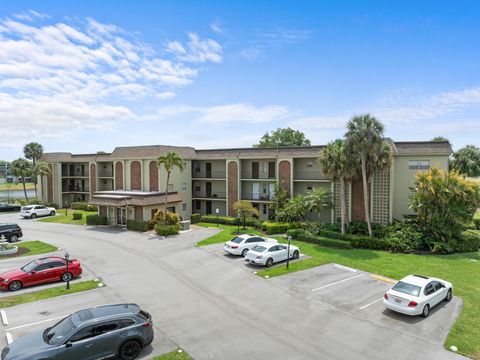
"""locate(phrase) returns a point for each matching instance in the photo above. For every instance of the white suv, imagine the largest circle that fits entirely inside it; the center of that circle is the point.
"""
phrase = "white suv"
(242, 243)
(33, 211)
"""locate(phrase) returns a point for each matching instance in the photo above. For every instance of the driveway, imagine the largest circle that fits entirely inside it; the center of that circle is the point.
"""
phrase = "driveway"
(210, 307)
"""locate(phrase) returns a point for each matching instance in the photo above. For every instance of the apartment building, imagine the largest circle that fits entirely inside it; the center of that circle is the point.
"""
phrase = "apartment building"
(128, 184)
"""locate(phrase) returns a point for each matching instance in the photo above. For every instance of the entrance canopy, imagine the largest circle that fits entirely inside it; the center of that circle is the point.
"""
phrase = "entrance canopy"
(133, 197)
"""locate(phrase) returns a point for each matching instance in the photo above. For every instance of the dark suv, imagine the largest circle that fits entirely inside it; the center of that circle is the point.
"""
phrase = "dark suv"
(104, 332)
(12, 232)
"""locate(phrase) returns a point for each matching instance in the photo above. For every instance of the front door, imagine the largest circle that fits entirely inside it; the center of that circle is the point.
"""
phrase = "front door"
(208, 189)
(121, 216)
(208, 170)
(255, 170)
(208, 207)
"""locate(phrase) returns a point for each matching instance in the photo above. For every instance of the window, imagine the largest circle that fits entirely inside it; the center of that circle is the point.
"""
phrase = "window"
(105, 328)
(437, 285)
(273, 248)
(264, 209)
(125, 323)
(184, 186)
(184, 207)
(429, 289)
(82, 334)
(170, 187)
(407, 288)
(281, 247)
(309, 164)
(418, 165)
(57, 264)
(198, 205)
(42, 267)
(309, 187)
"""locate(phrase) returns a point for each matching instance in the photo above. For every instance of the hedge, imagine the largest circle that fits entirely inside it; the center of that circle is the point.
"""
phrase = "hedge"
(302, 235)
(272, 228)
(137, 225)
(96, 220)
(165, 230)
(226, 220)
(335, 235)
(77, 216)
(83, 206)
(365, 242)
(469, 242)
(195, 218)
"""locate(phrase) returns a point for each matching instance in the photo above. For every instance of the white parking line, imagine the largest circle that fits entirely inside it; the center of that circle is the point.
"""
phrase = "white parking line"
(373, 302)
(9, 338)
(345, 268)
(4, 317)
(35, 323)
(337, 282)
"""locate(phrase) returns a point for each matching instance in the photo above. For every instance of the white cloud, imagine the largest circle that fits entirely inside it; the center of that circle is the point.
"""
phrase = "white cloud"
(217, 27)
(196, 50)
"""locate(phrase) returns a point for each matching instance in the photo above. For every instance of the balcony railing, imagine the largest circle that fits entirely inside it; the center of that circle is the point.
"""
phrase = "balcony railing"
(75, 189)
(308, 175)
(257, 196)
(209, 174)
(73, 174)
(209, 195)
(259, 175)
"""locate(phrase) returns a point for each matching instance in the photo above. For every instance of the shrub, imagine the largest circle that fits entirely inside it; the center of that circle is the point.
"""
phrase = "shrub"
(358, 228)
(96, 220)
(91, 208)
(165, 218)
(79, 205)
(275, 228)
(137, 225)
(52, 204)
(195, 218)
(469, 241)
(477, 223)
(302, 235)
(36, 202)
(334, 235)
(165, 230)
(226, 220)
(77, 216)
(366, 242)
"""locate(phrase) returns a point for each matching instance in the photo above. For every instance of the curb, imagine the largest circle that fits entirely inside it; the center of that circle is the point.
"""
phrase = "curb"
(383, 278)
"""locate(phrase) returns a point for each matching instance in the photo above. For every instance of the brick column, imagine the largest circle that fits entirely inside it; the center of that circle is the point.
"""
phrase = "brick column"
(135, 175)
(232, 186)
(118, 176)
(153, 174)
(50, 184)
(93, 178)
(358, 207)
(285, 175)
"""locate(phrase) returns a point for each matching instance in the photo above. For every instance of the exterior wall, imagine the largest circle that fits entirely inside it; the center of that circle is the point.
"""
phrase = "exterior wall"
(119, 175)
(307, 169)
(153, 176)
(216, 204)
(358, 208)
(232, 186)
(181, 182)
(219, 188)
(105, 169)
(404, 178)
(50, 184)
(246, 168)
(102, 210)
(285, 175)
(218, 169)
(93, 178)
(135, 175)
(302, 189)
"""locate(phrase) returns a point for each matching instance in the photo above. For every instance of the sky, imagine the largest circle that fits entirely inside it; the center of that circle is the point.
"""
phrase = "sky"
(88, 76)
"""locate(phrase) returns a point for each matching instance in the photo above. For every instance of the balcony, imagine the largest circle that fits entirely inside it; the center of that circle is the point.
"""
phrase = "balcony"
(309, 175)
(209, 174)
(83, 189)
(257, 196)
(259, 175)
(209, 195)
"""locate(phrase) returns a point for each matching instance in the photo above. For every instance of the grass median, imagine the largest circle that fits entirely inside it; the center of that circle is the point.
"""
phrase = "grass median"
(33, 247)
(68, 219)
(75, 287)
(227, 233)
(174, 355)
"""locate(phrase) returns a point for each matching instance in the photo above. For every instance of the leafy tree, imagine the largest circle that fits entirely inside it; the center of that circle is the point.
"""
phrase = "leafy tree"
(444, 202)
(295, 209)
(279, 198)
(467, 161)
(244, 209)
(33, 151)
(439, 139)
(365, 138)
(282, 138)
(339, 164)
(22, 168)
(318, 199)
(170, 161)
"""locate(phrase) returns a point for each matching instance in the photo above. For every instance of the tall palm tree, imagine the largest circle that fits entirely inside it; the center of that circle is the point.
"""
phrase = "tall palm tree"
(318, 199)
(33, 151)
(339, 164)
(170, 161)
(22, 168)
(365, 137)
(41, 169)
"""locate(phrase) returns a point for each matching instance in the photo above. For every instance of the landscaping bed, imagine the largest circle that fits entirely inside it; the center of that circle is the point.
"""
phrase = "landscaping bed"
(31, 248)
(69, 218)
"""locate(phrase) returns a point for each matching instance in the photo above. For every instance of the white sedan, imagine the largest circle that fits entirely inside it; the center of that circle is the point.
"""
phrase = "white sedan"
(417, 295)
(267, 254)
(241, 244)
(33, 211)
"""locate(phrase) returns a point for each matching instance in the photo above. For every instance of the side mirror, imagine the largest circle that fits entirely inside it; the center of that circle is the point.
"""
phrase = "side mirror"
(68, 344)
(33, 272)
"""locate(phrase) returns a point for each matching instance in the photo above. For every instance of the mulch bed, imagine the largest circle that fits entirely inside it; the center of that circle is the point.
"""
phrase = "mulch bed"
(21, 251)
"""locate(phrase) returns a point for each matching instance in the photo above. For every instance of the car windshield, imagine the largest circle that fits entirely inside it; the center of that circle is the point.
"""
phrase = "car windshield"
(60, 332)
(30, 266)
(27, 208)
(237, 240)
(259, 248)
(407, 288)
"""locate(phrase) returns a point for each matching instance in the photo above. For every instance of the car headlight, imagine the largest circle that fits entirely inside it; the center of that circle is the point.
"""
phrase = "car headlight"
(5, 280)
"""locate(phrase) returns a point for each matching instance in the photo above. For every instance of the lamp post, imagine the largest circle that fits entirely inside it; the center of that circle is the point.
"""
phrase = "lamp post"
(66, 208)
(288, 251)
(216, 212)
(67, 257)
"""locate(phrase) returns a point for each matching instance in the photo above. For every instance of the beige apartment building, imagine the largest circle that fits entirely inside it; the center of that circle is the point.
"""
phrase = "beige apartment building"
(128, 184)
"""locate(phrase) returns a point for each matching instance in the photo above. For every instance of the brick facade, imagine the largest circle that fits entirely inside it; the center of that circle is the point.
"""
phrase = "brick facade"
(102, 210)
(135, 175)
(285, 175)
(232, 186)
(138, 212)
(118, 176)
(93, 178)
(153, 174)
(50, 184)
(358, 207)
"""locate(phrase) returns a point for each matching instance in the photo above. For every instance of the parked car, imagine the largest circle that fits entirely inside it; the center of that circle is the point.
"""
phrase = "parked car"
(242, 243)
(104, 332)
(10, 207)
(40, 271)
(417, 295)
(12, 232)
(267, 254)
(33, 211)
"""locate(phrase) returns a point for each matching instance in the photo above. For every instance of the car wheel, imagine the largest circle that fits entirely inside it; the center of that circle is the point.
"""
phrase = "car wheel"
(15, 285)
(13, 238)
(130, 350)
(52, 213)
(33, 216)
(66, 276)
(426, 311)
(244, 252)
(449, 295)
(296, 254)
(269, 262)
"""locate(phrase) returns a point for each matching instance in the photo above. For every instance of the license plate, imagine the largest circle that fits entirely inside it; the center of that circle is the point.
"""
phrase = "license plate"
(397, 300)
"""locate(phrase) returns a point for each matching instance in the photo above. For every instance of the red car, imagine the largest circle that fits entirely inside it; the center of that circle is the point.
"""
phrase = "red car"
(40, 271)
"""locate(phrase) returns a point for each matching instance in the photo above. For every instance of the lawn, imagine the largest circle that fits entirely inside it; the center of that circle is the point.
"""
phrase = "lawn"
(226, 234)
(34, 247)
(19, 186)
(460, 269)
(47, 293)
(174, 355)
(68, 219)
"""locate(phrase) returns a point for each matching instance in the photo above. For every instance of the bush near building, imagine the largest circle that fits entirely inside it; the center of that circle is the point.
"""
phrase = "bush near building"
(137, 225)
(77, 216)
(96, 220)
(83, 206)
(165, 223)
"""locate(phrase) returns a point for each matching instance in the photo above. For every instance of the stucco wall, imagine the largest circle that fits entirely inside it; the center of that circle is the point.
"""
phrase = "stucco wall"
(302, 171)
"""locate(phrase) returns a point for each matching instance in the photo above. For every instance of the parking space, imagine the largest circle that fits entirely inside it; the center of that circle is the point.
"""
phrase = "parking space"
(360, 294)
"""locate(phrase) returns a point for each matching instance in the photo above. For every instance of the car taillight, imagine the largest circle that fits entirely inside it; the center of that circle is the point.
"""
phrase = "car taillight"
(385, 296)
(234, 247)
(412, 304)
(147, 324)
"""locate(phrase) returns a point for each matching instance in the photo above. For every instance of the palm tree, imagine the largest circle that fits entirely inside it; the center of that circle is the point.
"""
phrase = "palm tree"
(318, 199)
(467, 161)
(339, 164)
(33, 151)
(41, 169)
(22, 168)
(295, 209)
(170, 161)
(365, 137)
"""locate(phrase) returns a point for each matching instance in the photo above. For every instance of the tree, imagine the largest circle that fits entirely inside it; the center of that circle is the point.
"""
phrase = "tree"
(467, 161)
(365, 137)
(279, 198)
(33, 151)
(22, 168)
(338, 163)
(244, 209)
(445, 201)
(41, 169)
(282, 138)
(170, 161)
(439, 139)
(295, 209)
(318, 199)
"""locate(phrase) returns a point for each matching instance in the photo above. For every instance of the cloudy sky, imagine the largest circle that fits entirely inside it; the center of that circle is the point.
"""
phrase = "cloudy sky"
(86, 76)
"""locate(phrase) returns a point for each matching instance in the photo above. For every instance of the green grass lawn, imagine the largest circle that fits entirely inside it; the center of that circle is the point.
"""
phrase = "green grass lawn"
(34, 247)
(477, 215)
(226, 234)
(68, 219)
(19, 186)
(174, 355)
(47, 293)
